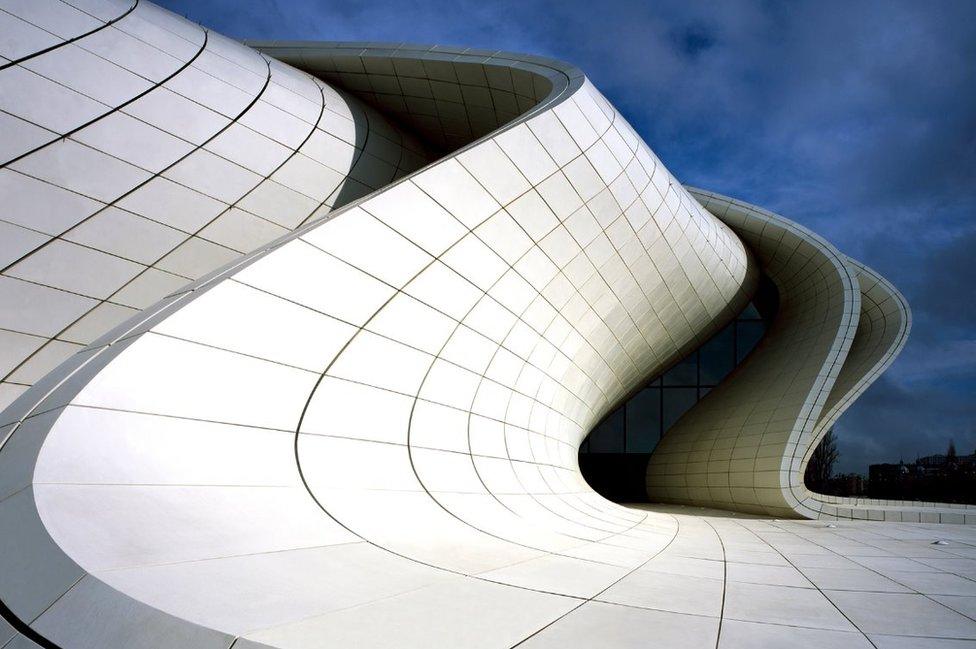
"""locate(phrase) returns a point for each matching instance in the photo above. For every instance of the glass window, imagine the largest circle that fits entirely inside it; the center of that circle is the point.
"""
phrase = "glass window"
(608, 436)
(634, 429)
(684, 373)
(750, 313)
(747, 336)
(644, 421)
(717, 356)
(637, 426)
(677, 401)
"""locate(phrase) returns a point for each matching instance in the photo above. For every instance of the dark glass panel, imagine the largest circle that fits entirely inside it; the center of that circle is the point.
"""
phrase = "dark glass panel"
(608, 436)
(644, 421)
(766, 299)
(614, 457)
(750, 313)
(684, 373)
(718, 356)
(677, 401)
(747, 336)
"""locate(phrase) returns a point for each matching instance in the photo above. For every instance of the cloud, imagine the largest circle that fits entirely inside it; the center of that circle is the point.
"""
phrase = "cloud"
(946, 292)
(887, 425)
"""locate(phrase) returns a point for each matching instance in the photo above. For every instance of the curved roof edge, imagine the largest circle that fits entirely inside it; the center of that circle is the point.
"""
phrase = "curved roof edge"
(854, 320)
(396, 78)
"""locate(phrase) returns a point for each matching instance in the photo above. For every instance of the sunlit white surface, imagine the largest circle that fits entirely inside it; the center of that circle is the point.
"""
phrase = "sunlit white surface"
(363, 430)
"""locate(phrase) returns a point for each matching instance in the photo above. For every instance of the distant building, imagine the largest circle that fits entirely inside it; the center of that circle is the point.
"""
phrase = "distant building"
(883, 473)
(941, 462)
(932, 461)
(939, 477)
(852, 484)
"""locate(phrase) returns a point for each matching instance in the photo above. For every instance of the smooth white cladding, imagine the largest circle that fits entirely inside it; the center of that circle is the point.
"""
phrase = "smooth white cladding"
(142, 152)
(838, 326)
(366, 433)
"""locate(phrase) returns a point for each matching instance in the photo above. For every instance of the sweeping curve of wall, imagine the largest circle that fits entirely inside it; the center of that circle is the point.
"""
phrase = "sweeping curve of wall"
(392, 393)
(839, 326)
(148, 152)
(746, 445)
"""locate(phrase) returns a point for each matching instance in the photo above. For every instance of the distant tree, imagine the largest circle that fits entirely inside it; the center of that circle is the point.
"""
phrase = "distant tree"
(951, 453)
(821, 465)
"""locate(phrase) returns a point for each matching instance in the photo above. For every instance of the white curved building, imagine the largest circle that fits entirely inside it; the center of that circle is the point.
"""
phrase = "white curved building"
(301, 342)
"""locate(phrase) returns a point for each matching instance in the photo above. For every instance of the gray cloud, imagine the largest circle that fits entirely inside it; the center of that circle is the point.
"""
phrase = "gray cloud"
(885, 425)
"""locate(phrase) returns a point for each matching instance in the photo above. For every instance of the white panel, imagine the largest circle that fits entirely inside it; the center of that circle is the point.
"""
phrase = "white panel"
(436, 426)
(241, 230)
(105, 317)
(249, 149)
(92, 76)
(497, 173)
(213, 176)
(177, 115)
(21, 38)
(44, 102)
(15, 347)
(252, 322)
(504, 237)
(299, 272)
(127, 235)
(307, 176)
(83, 170)
(439, 286)
(364, 242)
(56, 17)
(527, 153)
(135, 141)
(39, 205)
(343, 408)
(415, 215)
(476, 262)
(452, 186)
(383, 363)
(149, 287)
(414, 323)
(251, 391)
(352, 464)
(43, 361)
(196, 257)
(164, 201)
(38, 309)
(166, 451)
(16, 242)
(21, 136)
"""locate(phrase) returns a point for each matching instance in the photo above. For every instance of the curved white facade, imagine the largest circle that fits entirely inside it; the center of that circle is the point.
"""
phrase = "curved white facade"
(148, 153)
(358, 424)
(837, 326)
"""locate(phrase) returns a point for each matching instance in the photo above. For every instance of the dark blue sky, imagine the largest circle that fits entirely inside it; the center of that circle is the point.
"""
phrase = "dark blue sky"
(855, 119)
